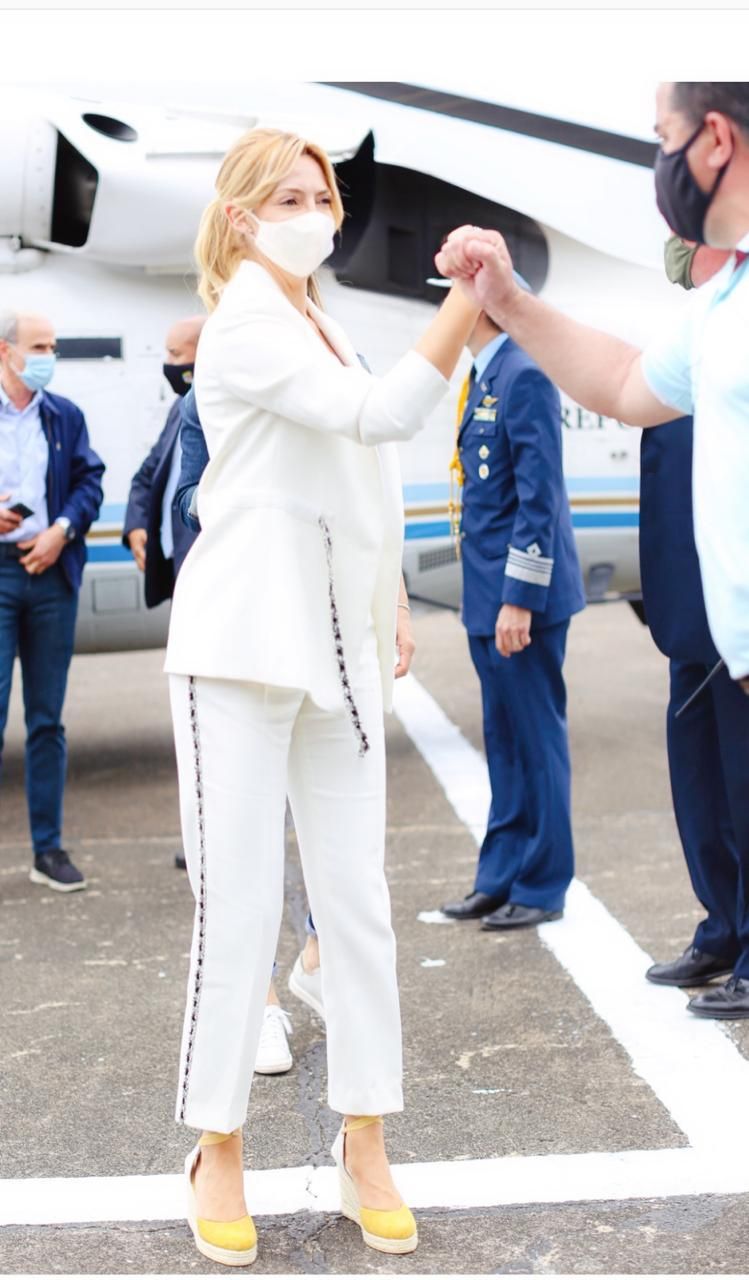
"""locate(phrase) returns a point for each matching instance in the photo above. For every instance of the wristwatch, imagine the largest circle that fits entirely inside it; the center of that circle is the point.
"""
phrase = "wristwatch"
(67, 528)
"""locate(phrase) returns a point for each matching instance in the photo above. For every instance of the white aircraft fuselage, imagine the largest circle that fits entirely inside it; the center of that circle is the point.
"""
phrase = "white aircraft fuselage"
(98, 214)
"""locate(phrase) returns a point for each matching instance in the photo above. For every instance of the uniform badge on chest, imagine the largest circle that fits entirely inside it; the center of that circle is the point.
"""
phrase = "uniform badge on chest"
(485, 412)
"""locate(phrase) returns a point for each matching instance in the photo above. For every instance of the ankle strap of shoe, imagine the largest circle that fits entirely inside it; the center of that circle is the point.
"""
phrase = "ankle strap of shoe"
(361, 1122)
(210, 1139)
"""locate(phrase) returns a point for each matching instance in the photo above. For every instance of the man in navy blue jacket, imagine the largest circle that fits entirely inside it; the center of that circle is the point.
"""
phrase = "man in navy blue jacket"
(521, 585)
(708, 746)
(157, 537)
(50, 494)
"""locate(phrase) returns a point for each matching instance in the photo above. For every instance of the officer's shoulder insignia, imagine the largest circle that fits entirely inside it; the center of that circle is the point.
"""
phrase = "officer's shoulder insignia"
(488, 401)
(534, 549)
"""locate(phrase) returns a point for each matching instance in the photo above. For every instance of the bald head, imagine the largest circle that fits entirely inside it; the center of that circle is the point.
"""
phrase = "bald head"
(182, 339)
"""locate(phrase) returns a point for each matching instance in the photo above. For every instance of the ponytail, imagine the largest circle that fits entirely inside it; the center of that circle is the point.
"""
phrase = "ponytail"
(218, 251)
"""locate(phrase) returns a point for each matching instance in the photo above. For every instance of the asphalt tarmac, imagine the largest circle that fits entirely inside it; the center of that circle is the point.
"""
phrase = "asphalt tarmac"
(506, 1057)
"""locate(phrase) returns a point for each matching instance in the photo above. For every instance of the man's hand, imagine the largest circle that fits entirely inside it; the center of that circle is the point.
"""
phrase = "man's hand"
(44, 550)
(137, 539)
(9, 520)
(480, 261)
(404, 642)
(513, 630)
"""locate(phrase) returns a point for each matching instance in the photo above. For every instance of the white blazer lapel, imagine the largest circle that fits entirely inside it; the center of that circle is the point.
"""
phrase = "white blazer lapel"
(335, 335)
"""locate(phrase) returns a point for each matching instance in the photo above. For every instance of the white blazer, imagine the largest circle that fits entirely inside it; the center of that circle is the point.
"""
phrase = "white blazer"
(301, 503)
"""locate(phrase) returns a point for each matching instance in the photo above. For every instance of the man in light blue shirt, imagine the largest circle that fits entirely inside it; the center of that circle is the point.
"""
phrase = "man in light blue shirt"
(24, 456)
(702, 190)
(702, 187)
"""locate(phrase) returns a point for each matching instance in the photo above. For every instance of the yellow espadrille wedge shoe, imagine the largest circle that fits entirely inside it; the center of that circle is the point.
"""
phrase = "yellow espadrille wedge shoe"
(232, 1243)
(389, 1230)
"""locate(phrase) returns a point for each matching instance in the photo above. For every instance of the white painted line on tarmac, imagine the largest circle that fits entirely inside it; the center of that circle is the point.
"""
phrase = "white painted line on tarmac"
(691, 1066)
(448, 1184)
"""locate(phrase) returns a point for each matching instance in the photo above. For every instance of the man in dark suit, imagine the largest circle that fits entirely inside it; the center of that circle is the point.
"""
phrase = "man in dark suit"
(157, 537)
(521, 585)
(153, 530)
(708, 746)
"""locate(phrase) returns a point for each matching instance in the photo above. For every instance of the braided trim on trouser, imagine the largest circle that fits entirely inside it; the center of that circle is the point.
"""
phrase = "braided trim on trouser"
(348, 696)
(201, 903)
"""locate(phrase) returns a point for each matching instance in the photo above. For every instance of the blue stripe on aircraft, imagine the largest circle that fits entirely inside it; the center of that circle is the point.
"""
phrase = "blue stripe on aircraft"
(101, 555)
(113, 512)
(575, 484)
(98, 554)
(580, 520)
(605, 520)
(603, 484)
(429, 529)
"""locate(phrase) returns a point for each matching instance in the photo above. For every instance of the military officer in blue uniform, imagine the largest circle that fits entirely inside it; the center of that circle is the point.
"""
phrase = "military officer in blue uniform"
(708, 745)
(521, 585)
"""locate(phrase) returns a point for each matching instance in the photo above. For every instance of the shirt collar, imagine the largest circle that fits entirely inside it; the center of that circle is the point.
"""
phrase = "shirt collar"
(743, 244)
(7, 403)
(485, 356)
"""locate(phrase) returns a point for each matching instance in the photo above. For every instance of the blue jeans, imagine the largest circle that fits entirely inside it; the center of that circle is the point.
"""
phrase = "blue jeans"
(37, 622)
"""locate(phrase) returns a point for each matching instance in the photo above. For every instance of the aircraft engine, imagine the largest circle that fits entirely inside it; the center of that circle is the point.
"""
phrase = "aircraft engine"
(126, 186)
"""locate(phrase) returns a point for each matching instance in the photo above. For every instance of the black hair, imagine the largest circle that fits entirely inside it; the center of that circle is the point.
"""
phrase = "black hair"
(695, 99)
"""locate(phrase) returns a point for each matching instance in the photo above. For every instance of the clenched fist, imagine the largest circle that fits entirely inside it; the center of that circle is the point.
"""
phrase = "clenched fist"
(481, 264)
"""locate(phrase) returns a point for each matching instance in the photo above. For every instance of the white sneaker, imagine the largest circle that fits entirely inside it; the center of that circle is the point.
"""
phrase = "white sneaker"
(307, 987)
(273, 1052)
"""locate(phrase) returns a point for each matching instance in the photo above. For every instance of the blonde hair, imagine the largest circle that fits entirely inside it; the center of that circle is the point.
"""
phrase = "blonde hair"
(249, 173)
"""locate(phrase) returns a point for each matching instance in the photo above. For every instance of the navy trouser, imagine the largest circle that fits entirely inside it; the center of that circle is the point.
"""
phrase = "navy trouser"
(37, 621)
(708, 756)
(527, 854)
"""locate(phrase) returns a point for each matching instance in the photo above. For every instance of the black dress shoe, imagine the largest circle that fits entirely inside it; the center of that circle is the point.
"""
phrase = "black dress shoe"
(694, 968)
(473, 906)
(180, 862)
(730, 1001)
(514, 916)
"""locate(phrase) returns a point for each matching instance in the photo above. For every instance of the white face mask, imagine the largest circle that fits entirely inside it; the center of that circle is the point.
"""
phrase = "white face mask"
(297, 245)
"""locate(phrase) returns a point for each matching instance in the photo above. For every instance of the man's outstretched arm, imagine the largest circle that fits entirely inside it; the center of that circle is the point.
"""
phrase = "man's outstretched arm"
(599, 371)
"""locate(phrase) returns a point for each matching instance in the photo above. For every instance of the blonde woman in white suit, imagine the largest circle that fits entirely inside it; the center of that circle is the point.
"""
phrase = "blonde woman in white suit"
(280, 660)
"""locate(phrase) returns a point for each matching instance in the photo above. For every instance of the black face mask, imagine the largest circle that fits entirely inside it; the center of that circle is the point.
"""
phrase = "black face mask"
(681, 201)
(179, 377)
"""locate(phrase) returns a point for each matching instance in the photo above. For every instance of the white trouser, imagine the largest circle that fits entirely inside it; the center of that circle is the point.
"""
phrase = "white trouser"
(241, 748)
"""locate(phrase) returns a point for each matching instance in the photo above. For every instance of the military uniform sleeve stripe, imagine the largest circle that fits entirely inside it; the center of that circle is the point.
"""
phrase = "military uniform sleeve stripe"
(536, 570)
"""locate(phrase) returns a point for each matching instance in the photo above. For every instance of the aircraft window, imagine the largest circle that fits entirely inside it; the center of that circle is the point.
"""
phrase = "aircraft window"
(89, 348)
(110, 128)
